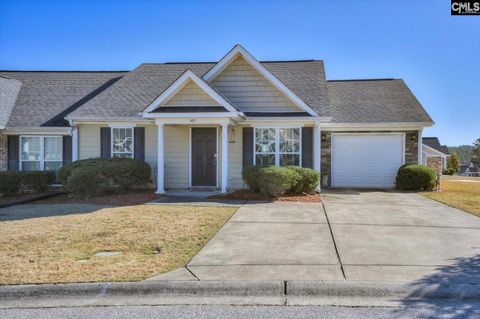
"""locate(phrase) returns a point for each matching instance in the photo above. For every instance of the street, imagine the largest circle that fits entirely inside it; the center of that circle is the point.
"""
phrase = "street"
(454, 310)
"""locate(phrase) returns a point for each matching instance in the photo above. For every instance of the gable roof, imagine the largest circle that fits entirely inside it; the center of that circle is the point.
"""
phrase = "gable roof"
(136, 90)
(46, 97)
(179, 83)
(434, 143)
(374, 101)
(9, 89)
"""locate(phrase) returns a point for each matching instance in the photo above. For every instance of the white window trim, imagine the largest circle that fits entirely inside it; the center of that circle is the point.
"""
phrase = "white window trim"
(42, 151)
(111, 140)
(277, 152)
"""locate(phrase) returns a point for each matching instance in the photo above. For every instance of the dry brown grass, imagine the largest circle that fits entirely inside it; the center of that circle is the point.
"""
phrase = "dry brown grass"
(62, 248)
(462, 195)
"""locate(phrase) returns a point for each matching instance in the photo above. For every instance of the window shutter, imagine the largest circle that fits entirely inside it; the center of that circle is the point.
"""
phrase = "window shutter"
(307, 147)
(139, 144)
(105, 142)
(67, 149)
(247, 146)
(13, 150)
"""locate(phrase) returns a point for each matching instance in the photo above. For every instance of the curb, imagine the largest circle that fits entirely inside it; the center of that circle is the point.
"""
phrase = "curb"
(232, 293)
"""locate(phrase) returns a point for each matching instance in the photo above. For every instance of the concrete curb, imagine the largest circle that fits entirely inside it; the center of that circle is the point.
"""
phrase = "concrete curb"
(232, 293)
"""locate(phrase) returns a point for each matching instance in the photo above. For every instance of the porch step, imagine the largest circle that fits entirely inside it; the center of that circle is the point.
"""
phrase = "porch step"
(203, 188)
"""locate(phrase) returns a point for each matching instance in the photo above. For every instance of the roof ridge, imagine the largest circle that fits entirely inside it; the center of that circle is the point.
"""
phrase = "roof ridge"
(373, 79)
(215, 62)
(62, 71)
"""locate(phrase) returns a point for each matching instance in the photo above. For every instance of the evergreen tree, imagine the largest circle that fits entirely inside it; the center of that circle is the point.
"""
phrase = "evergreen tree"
(453, 163)
(476, 149)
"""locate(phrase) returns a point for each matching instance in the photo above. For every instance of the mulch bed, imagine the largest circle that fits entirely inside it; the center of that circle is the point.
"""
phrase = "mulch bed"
(20, 198)
(247, 195)
(126, 199)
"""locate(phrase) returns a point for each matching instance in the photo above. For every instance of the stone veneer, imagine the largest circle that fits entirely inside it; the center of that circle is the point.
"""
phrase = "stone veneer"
(411, 149)
(3, 152)
(435, 163)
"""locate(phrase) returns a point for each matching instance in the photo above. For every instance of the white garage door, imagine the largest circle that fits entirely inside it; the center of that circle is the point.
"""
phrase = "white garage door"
(366, 160)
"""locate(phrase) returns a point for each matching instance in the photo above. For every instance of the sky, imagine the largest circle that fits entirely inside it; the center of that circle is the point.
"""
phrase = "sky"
(438, 55)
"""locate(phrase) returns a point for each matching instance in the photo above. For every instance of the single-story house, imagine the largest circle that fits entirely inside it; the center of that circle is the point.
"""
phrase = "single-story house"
(199, 123)
(434, 154)
(472, 169)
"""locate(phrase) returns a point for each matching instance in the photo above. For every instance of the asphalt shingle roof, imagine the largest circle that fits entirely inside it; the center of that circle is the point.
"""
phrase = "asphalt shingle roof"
(434, 143)
(374, 101)
(135, 91)
(45, 97)
(9, 89)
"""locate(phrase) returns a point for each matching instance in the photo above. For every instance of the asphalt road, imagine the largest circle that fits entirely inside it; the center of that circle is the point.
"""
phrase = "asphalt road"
(234, 312)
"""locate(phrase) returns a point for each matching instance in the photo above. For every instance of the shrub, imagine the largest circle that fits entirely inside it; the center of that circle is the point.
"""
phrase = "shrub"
(37, 180)
(448, 171)
(86, 182)
(112, 174)
(308, 182)
(251, 176)
(276, 180)
(415, 177)
(9, 183)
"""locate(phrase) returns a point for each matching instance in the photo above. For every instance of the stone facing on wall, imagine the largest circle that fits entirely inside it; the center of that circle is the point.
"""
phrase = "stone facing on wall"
(435, 163)
(3, 152)
(411, 149)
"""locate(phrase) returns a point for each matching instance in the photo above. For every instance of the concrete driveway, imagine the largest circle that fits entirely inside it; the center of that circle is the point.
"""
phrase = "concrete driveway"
(355, 235)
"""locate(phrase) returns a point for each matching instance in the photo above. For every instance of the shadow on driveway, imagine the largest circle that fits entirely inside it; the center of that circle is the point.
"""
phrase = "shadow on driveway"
(28, 211)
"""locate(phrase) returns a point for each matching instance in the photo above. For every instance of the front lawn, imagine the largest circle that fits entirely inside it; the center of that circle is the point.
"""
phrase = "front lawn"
(464, 195)
(152, 239)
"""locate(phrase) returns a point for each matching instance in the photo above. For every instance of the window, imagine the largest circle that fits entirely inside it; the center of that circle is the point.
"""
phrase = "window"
(122, 142)
(277, 146)
(40, 153)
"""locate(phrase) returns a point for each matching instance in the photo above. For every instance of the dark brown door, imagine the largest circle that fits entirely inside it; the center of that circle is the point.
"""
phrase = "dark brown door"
(204, 148)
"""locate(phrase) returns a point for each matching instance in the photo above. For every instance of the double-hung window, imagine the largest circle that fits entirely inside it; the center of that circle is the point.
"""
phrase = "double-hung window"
(38, 153)
(122, 142)
(277, 146)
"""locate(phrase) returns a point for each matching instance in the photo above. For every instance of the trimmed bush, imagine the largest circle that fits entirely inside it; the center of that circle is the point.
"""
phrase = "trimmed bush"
(308, 182)
(415, 177)
(86, 182)
(276, 180)
(448, 171)
(9, 183)
(112, 174)
(37, 180)
(251, 176)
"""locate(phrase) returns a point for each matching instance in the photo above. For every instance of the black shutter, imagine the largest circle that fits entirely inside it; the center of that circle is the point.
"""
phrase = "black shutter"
(13, 150)
(139, 144)
(247, 146)
(67, 149)
(105, 142)
(307, 147)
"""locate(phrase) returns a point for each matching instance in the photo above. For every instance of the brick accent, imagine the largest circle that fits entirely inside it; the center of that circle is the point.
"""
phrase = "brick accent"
(435, 163)
(411, 149)
(3, 152)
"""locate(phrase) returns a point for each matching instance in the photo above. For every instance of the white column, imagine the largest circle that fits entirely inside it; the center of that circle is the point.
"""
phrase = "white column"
(160, 160)
(317, 151)
(224, 157)
(75, 144)
(420, 143)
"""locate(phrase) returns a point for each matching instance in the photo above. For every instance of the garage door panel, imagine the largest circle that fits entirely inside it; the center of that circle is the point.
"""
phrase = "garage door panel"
(362, 160)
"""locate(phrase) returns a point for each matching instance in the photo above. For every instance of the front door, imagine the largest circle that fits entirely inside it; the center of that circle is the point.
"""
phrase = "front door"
(204, 156)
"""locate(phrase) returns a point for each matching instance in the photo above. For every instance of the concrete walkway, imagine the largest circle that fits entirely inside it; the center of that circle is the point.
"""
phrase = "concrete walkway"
(355, 236)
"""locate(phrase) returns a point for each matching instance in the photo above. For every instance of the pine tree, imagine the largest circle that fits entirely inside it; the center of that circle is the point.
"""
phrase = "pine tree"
(453, 163)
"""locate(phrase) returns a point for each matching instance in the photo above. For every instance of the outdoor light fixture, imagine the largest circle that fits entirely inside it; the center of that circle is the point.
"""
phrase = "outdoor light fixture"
(414, 137)
(324, 137)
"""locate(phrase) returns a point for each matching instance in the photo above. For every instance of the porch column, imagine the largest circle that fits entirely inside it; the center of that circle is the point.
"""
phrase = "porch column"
(224, 157)
(420, 143)
(317, 152)
(160, 160)
(75, 144)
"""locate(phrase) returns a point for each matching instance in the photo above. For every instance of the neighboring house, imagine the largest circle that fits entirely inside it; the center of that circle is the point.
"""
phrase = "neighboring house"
(198, 124)
(472, 169)
(434, 154)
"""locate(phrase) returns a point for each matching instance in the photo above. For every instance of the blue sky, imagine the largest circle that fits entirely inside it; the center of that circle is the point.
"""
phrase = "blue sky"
(438, 55)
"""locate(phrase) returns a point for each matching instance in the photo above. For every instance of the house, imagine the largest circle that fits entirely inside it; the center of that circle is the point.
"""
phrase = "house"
(472, 169)
(434, 154)
(199, 123)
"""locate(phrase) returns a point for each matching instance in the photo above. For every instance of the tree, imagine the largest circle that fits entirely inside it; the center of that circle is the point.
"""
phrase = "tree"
(453, 163)
(476, 149)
